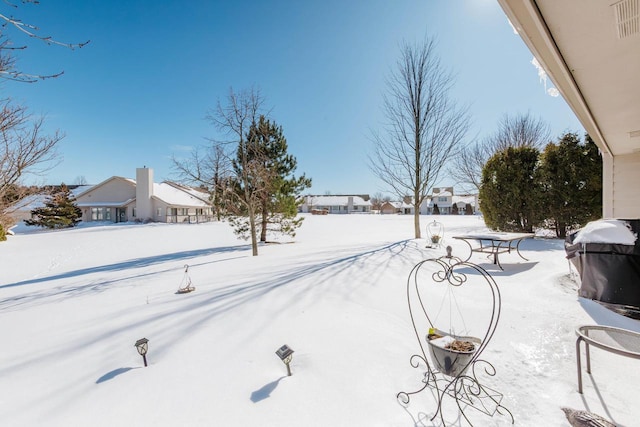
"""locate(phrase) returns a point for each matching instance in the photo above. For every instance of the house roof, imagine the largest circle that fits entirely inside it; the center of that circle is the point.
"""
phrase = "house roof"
(171, 193)
(590, 50)
(401, 205)
(336, 201)
(464, 199)
(442, 192)
(177, 195)
(34, 201)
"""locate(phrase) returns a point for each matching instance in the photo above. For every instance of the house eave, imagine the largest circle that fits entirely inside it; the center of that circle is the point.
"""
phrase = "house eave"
(526, 18)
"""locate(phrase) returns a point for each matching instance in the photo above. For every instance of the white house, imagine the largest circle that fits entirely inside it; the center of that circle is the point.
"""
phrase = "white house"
(442, 198)
(396, 208)
(445, 199)
(462, 201)
(120, 199)
(337, 204)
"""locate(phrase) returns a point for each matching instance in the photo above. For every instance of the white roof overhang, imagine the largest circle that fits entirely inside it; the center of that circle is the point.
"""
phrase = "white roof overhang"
(593, 64)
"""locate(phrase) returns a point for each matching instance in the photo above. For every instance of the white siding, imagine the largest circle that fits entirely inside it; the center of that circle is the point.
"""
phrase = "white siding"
(117, 190)
(626, 176)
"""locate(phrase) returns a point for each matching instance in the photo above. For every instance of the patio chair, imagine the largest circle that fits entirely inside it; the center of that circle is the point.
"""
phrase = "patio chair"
(614, 340)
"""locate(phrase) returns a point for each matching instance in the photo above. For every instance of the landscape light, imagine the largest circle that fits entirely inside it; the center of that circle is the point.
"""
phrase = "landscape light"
(142, 347)
(285, 354)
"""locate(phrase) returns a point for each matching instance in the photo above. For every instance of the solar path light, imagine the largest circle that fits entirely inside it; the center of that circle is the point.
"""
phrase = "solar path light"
(285, 354)
(142, 347)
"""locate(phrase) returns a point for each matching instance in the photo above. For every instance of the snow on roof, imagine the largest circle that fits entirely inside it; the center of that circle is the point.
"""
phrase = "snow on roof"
(464, 199)
(34, 201)
(442, 192)
(610, 231)
(81, 189)
(31, 202)
(178, 196)
(336, 201)
(401, 205)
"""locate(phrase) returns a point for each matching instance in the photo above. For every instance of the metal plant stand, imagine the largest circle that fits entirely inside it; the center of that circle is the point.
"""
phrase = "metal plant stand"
(435, 234)
(451, 375)
(185, 286)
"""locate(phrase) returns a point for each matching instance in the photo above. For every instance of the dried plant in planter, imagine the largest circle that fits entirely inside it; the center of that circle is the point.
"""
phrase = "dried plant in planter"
(461, 346)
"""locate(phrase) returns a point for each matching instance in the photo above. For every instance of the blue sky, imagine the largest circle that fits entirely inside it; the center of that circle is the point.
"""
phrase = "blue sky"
(140, 91)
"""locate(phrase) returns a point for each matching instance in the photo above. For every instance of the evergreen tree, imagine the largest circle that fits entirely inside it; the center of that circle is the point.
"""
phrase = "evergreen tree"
(436, 209)
(571, 175)
(276, 189)
(509, 193)
(468, 209)
(454, 209)
(60, 211)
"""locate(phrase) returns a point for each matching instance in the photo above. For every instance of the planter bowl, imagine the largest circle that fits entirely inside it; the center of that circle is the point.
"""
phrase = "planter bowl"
(451, 362)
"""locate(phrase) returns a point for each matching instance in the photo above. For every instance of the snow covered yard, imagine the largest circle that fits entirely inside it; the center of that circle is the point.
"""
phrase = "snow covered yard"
(74, 302)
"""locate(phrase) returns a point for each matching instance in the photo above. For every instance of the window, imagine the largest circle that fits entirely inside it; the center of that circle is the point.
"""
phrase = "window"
(442, 199)
(133, 212)
(159, 212)
(100, 214)
(183, 211)
(199, 211)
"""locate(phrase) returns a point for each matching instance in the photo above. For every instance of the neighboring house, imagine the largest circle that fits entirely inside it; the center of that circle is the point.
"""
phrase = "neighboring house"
(336, 204)
(396, 208)
(120, 199)
(462, 201)
(388, 208)
(442, 197)
(596, 71)
(445, 198)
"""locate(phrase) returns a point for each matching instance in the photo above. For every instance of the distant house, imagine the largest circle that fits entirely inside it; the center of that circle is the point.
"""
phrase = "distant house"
(445, 199)
(466, 202)
(347, 204)
(396, 208)
(120, 199)
(388, 208)
(442, 198)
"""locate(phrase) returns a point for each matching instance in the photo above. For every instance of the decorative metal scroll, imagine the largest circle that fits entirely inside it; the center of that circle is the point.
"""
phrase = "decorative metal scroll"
(453, 376)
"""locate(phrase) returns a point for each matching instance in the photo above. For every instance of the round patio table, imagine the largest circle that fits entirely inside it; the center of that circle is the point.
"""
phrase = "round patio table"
(614, 340)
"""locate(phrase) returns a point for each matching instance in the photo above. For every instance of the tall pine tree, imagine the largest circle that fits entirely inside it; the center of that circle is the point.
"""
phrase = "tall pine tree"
(270, 168)
(60, 211)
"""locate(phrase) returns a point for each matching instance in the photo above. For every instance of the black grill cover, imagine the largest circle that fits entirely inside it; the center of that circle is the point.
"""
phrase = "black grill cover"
(609, 273)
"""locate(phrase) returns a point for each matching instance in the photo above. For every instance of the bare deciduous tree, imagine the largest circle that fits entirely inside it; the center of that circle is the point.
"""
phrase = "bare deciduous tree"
(517, 131)
(235, 119)
(209, 168)
(424, 125)
(520, 130)
(23, 147)
(468, 164)
(23, 150)
(7, 60)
